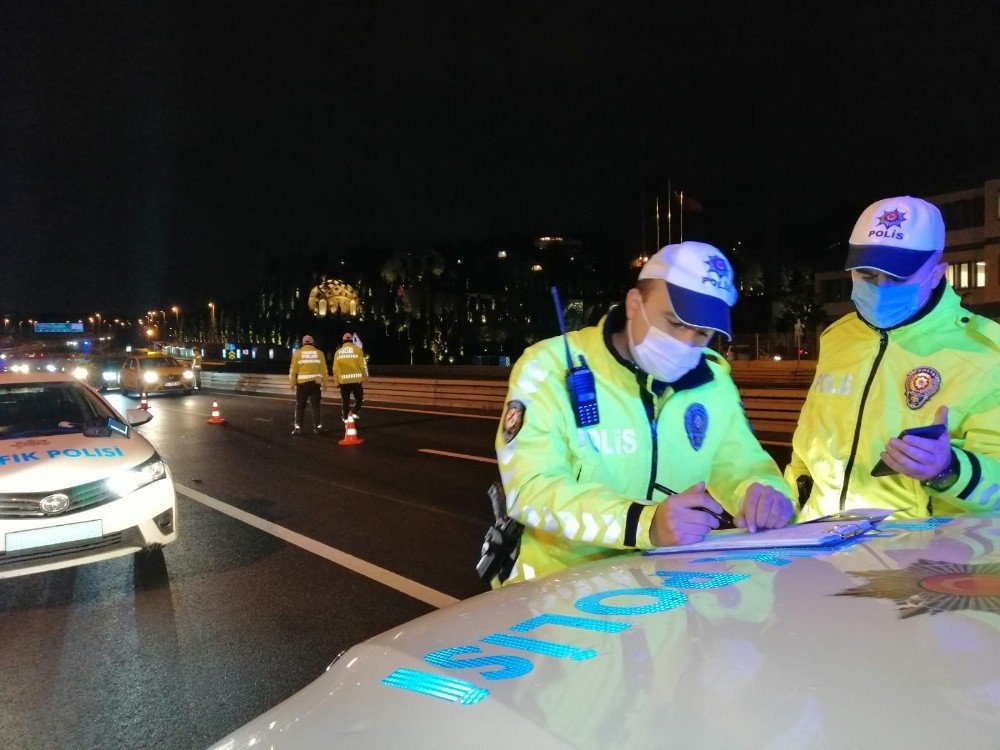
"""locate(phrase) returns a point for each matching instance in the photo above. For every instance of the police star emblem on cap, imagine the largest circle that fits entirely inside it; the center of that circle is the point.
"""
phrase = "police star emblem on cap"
(718, 265)
(891, 218)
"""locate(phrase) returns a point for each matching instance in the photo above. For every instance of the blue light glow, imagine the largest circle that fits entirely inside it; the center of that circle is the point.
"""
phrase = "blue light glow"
(778, 557)
(665, 600)
(585, 623)
(546, 648)
(436, 686)
(685, 580)
(511, 666)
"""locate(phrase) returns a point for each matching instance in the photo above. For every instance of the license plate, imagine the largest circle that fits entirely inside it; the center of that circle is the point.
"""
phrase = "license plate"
(171, 385)
(71, 532)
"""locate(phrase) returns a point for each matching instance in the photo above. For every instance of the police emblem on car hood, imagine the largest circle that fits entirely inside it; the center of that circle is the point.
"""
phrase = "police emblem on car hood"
(933, 586)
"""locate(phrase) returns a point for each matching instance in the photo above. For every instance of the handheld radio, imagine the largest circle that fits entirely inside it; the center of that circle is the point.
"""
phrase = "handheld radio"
(579, 379)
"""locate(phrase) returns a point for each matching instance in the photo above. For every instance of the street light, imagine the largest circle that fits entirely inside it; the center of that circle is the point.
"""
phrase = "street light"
(177, 320)
(211, 308)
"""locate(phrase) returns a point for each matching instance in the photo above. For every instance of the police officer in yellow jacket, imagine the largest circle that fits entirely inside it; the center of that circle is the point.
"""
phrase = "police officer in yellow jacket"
(670, 422)
(349, 372)
(308, 376)
(910, 357)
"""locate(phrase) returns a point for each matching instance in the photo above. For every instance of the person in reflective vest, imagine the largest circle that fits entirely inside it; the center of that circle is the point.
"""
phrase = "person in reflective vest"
(307, 376)
(911, 356)
(349, 372)
(670, 423)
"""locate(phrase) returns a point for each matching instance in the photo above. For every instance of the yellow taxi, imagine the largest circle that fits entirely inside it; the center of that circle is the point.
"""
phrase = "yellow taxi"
(155, 373)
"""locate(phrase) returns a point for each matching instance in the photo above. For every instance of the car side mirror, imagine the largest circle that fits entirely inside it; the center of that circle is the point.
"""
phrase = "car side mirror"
(136, 417)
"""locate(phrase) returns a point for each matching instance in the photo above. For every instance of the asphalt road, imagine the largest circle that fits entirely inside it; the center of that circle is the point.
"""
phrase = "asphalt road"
(290, 551)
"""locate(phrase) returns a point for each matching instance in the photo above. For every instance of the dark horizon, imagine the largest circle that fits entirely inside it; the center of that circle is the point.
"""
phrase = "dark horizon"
(168, 156)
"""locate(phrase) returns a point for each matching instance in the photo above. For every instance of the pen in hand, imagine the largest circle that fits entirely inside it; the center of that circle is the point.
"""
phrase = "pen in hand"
(725, 519)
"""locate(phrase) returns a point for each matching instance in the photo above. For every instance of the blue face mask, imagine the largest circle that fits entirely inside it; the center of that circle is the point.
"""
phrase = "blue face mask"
(888, 305)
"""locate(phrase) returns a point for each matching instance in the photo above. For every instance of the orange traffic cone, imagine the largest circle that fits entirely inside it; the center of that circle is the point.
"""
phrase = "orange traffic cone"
(144, 402)
(351, 438)
(216, 417)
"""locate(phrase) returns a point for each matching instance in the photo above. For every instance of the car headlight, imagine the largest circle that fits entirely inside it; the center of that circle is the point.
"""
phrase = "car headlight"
(129, 481)
(150, 377)
(50, 367)
(80, 373)
(188, 375)
(109, 376)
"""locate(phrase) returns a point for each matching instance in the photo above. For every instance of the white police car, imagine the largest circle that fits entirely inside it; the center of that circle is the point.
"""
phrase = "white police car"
(77, 483)
(889, 641)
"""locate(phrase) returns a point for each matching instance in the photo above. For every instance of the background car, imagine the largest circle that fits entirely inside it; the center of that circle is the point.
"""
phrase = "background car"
(32, 363)
(101, 373)
(156, 374)
(77, 483)
(890, 640)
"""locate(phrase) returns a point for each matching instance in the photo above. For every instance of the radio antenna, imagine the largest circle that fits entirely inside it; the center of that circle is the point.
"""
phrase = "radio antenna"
(562, 325)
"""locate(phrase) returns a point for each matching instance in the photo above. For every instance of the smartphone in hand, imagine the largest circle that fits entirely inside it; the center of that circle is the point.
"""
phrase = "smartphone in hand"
(929, 431)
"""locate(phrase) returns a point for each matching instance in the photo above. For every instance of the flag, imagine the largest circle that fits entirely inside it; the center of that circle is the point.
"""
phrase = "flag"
(688, 205)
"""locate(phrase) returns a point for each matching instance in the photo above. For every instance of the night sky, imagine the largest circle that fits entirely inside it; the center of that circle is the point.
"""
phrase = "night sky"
(158, 153)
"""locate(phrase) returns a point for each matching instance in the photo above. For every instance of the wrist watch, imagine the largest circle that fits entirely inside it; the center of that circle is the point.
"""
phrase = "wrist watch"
(946, 478)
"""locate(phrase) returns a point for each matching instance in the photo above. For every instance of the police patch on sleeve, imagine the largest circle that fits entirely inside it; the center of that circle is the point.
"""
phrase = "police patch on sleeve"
(696, 425)
(921, 384)
(513, 418)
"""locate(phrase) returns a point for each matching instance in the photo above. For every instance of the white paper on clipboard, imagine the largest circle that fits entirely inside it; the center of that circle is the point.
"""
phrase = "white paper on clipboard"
(813, 534)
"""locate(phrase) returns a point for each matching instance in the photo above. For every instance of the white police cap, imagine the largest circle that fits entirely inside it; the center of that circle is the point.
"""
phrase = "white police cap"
(700, 283)
(896, 236)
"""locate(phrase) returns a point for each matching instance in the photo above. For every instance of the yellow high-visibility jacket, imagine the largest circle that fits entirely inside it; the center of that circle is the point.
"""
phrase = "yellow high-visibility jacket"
(871, 384)
(308, 363)
(583, 494)
(349, 365)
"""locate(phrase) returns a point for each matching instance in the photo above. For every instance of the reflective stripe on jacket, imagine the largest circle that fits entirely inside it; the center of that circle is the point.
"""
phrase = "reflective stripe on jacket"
(308, 363)
(587, 493)
(349, 365)
(870, 385)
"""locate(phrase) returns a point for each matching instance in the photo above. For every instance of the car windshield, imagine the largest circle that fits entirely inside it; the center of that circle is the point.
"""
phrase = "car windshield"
(154, 362)
(111, 364)
(32, 409)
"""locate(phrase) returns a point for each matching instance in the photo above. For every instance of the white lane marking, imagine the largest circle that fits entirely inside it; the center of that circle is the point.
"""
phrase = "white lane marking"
(356, 564)
(466, 456)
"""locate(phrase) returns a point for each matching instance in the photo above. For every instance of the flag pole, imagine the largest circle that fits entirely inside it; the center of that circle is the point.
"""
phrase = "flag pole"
(682, 215)
(657, 221)
(670, 203)
(642, 217)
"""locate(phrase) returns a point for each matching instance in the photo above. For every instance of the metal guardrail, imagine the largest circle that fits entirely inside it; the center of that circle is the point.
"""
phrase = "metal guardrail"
(772, 407)
(475, 395)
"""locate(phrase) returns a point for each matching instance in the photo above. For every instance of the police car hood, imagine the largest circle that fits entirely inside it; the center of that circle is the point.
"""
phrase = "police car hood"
(776, 648)
(54, 462)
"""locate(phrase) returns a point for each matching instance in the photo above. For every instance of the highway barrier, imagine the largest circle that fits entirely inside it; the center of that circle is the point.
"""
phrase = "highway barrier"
(773, 393)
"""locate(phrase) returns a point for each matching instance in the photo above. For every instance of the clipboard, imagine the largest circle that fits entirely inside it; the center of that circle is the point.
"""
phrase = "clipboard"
(812, 534)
